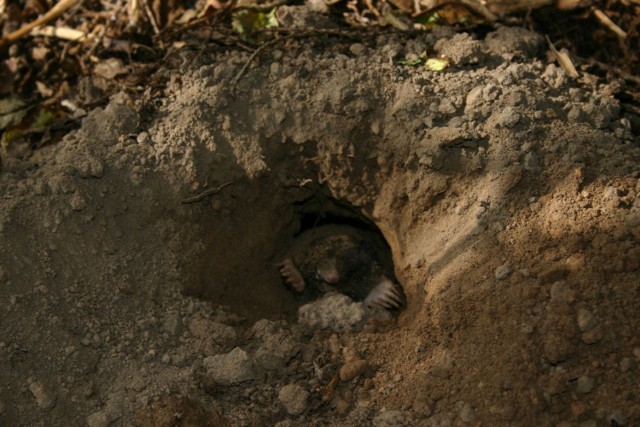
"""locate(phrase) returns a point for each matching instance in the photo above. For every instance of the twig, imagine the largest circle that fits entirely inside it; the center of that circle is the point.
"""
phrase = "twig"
(205, 193)
(372, 8)
(64, 33)
(151, 17)
(607, 22)
(133, 10)
(52, 14)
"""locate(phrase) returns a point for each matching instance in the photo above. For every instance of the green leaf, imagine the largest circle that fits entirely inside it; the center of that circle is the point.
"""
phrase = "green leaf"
(246, 22)
(412, 62)
(429, 20)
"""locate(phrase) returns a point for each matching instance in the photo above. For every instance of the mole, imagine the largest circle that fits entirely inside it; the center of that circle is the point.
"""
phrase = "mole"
(345, 259)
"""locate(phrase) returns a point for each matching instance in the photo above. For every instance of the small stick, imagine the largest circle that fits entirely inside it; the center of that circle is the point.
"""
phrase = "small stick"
(372, 8)
(205, 193)
(151, 17)
(607, 22)
(64, 33)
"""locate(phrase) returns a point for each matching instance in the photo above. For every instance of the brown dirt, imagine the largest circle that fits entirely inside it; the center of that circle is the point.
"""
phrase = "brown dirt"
(509, 195)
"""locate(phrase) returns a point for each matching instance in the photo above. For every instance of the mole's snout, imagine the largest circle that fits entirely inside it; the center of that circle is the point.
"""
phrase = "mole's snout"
(331, 277)
(328, 271)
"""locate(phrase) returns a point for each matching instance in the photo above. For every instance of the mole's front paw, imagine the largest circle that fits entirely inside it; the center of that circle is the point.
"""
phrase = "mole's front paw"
(386, 295)
(292, 275)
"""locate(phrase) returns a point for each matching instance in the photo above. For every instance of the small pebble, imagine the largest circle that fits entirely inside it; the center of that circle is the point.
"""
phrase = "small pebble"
(356, 49)
(584, 385)
(586, 320)
(593, 336)
(98, 419)
(342, 407)
(467, 414)
(422, 406)
(77, 202)
(627, 364)
(503, 271)
(411, 57)
(293, 398)
(561, 293)
(231, 368)
(389, 418)
(352, 369)
(43, 398)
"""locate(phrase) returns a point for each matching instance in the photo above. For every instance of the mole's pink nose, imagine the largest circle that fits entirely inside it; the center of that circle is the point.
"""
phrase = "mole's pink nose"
(331, 278)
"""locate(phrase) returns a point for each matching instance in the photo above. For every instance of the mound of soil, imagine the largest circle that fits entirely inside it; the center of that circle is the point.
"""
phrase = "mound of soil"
(139, 264)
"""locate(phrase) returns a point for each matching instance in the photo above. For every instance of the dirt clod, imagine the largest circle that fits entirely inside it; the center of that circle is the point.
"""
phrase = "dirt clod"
(231, 368)
(351, 370)
(293, 398)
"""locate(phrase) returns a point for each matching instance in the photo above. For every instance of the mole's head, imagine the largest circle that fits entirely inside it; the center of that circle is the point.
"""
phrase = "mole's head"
(327, 271)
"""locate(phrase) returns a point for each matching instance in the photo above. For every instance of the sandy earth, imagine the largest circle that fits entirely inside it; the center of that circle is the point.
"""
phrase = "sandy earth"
(508, 193)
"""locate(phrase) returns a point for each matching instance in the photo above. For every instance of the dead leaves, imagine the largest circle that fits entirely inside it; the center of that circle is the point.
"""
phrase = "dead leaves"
(27, 127)
(117, 45)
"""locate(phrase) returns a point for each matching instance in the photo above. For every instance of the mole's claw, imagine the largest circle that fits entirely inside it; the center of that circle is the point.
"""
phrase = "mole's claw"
(384, 295)
(292, 275)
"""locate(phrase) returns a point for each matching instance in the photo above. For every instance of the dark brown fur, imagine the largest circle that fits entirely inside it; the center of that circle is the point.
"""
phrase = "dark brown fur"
(344, 259)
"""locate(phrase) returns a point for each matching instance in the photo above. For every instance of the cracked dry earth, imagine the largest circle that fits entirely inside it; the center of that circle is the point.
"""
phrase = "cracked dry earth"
(509, 196)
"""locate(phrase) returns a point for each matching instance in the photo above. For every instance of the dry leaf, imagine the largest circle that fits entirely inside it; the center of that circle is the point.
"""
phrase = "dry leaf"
(110, 68)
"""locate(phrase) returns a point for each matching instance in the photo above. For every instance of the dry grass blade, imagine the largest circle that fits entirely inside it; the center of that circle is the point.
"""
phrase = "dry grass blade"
(64, 33)
(151, 17)
(607, 22)
(565, 62)
(133, 9)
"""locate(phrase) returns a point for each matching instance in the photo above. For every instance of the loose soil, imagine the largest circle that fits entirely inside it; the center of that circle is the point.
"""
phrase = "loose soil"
(139, 264)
